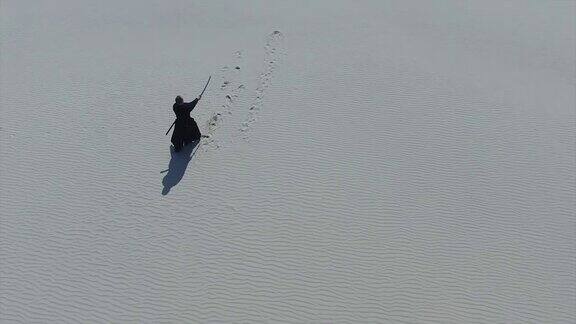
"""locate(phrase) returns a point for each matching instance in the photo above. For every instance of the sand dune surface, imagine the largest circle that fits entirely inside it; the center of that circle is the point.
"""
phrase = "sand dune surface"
(366, 162)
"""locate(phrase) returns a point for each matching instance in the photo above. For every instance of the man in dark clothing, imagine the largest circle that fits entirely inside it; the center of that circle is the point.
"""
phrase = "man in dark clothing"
(185, 129)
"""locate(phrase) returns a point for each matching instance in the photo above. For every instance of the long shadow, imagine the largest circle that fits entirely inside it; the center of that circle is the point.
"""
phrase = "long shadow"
(177, 166)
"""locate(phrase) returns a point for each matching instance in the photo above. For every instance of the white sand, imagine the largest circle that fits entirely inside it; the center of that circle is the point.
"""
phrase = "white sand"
(403, 162)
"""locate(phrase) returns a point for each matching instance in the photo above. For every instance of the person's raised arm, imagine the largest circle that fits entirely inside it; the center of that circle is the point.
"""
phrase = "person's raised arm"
(192, 104)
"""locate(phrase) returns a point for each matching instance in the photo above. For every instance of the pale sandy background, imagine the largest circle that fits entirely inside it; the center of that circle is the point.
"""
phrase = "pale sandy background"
(374, 162)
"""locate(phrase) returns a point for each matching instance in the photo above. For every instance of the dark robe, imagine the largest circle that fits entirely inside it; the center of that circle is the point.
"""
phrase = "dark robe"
(185, 130)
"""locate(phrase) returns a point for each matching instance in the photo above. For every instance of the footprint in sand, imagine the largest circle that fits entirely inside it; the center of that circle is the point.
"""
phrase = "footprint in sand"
(231, 88)
(273, 53)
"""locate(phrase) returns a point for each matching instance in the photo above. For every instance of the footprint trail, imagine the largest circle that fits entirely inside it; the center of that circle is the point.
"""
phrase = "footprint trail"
(273, 53)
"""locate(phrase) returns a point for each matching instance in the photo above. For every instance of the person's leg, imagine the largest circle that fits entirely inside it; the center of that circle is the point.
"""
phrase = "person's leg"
(177, 146)
(195, 131)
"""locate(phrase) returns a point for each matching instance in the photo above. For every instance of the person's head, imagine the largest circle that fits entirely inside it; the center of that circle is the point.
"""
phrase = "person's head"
(179, 100)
